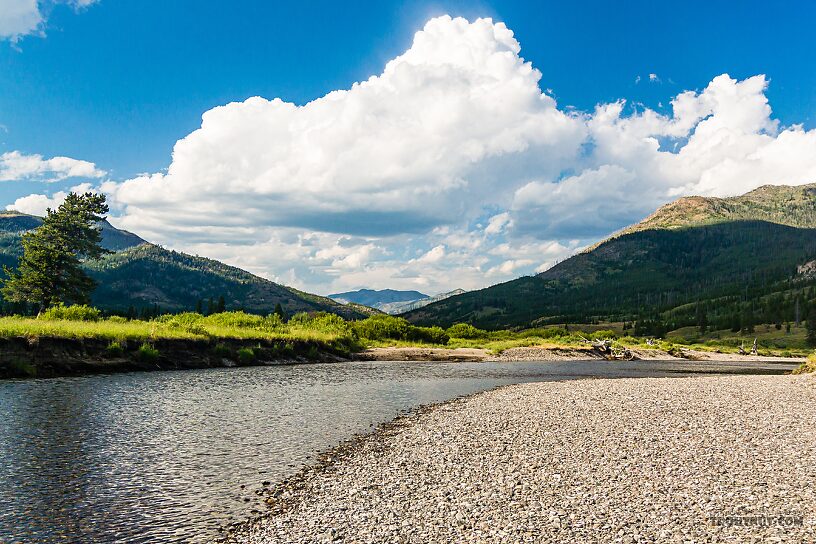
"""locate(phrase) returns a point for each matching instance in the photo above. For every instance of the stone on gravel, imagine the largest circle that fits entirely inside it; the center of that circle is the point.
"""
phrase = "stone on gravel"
(703, 459)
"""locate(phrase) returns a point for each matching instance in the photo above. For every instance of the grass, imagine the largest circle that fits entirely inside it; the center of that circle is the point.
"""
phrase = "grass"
(333, 332)
(200, 328)
(808, 366)
(771, 341)
(147, 353)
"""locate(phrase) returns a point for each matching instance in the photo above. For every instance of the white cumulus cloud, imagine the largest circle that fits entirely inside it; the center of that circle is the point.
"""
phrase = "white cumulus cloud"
(423, 144)
(451, 168)
(37, 204)
(15, 166)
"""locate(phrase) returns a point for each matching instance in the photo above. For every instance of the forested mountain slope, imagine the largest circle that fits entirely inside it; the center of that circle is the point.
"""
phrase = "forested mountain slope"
(710, 259)
(143, 278)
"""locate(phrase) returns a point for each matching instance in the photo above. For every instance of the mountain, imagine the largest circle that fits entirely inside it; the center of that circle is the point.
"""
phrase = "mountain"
(141, 275)
(402, 307)
(375, 299)
(13, 224)
(719, 260)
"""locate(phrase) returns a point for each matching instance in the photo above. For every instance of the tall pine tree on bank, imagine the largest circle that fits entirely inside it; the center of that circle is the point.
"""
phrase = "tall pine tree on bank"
(50, 272)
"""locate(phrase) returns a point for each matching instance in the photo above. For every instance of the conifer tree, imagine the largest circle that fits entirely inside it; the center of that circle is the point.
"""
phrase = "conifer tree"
(279, 311)
(50, 270)
(811, 326)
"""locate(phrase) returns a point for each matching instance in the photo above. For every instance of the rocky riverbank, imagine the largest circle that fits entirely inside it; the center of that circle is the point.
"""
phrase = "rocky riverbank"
(552, 353)
(704, 459)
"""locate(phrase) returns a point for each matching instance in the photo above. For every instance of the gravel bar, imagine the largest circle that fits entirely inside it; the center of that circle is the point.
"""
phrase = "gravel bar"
(703, 459)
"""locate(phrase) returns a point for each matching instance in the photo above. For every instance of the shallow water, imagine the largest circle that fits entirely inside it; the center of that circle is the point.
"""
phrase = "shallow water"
(162, 456)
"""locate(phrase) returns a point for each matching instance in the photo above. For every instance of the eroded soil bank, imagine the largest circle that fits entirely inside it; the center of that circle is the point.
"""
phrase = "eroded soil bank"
(46, 357)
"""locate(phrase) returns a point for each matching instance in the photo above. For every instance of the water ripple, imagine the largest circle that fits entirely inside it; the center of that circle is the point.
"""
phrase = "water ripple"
(163, 456)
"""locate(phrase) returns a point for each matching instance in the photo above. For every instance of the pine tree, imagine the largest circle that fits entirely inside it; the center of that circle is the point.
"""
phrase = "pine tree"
(200, 306)
(279, 312)
(811, 327)
(50, 269)
(222, 306)
(702, 319)
(796, 317)
(736, 324)
(210, 306)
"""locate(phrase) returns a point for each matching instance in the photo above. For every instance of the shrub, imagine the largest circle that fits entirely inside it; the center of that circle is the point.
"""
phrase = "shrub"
(465, 330)
(246, 355)
(114, 349)
(326, 323)
(808, 366)
(382, 327)
(147, 353)
(221, 350)
(545, 333)
(75, 312)
(603, 334)
(300, 318)
(117, 319)
(236, 319)
(182, 320)
(273, 321)
(428, 335)
(387, 327)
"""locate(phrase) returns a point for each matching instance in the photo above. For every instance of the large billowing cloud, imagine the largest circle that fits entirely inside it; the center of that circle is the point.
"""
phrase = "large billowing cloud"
(455, 121)
(719, 142)
(449, 169)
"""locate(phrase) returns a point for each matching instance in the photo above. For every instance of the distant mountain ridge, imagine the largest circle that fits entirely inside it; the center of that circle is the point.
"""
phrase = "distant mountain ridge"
(376, 298)
(734, 255)
(391, 301)
(140, 275)
(402, 307)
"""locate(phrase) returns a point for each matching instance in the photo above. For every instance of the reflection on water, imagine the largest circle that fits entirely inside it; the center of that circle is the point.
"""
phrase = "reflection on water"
(163, 456)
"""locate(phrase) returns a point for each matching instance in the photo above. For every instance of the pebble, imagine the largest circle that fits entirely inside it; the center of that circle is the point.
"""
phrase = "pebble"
(614, 460)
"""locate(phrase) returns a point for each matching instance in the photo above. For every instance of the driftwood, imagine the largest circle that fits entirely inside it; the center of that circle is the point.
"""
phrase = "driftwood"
(604, 347)
(624, 354)
(754, 349)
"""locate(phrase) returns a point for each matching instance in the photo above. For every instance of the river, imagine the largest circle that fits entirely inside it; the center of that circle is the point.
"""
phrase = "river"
(173, 456)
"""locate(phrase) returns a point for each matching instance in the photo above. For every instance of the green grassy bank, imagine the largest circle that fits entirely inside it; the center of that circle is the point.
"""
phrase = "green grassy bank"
(34, 346)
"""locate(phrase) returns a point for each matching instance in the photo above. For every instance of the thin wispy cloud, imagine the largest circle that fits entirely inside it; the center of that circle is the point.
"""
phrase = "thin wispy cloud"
(20, 18)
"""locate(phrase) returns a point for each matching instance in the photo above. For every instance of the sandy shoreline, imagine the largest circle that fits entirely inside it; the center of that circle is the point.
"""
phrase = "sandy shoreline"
(628, 460)
(550, 353)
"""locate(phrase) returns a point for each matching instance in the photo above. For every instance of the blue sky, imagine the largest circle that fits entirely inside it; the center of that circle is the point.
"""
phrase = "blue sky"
(118, 82)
